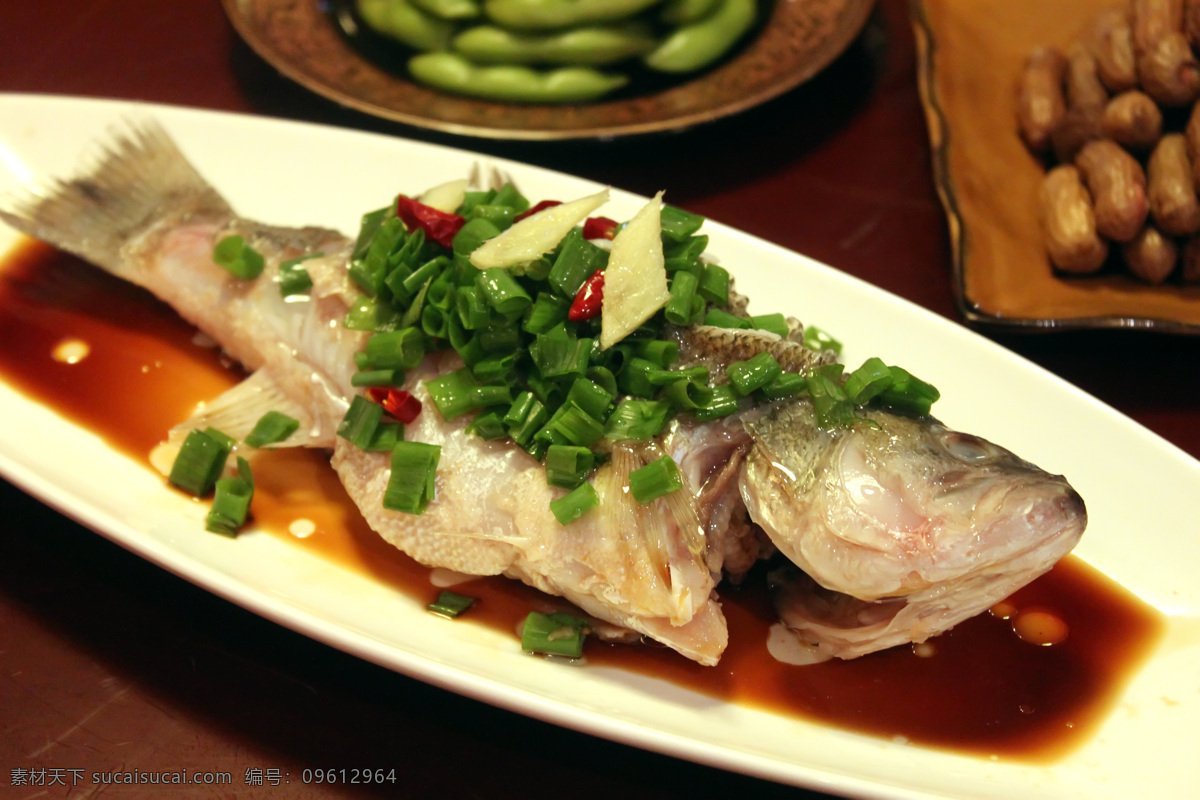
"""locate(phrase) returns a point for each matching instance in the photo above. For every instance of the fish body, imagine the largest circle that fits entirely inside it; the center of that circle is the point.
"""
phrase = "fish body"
(894, 521)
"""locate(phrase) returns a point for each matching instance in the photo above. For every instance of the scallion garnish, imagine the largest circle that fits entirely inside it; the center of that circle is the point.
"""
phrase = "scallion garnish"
(200, 461)
(568, 465)
(817, 339)
(271, 428)
(401, 349)
(238, 258)
(360, 421)
(450, 604)
(410, 487)
(637, 420)
(557, 634)
(659, 477)
(575, 504)
(231, 502)
(909, 393)
(753, 373)
(868, 380)
(294, 278)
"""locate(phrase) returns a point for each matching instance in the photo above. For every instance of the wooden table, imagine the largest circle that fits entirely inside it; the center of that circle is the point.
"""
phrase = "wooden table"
(108, 663)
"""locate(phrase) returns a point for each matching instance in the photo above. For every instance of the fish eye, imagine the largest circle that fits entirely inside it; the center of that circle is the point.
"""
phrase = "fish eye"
(966, 447)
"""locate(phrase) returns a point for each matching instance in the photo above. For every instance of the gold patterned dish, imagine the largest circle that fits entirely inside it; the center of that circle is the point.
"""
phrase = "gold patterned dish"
(301, 40)
(970, 56)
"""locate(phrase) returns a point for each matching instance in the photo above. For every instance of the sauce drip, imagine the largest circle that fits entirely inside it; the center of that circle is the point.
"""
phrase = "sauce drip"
(1028, 681)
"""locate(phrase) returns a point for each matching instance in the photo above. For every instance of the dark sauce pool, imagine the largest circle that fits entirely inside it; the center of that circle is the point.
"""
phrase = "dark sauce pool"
(979, 688)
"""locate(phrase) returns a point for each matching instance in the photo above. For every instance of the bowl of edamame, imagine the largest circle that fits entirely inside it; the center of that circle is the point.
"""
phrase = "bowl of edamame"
(549, 69)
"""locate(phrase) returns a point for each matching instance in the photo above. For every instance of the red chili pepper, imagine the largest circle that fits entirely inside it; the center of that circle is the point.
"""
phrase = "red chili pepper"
(542, 206)
(599, 228)
(438, 225)
(397, 402)
(588, 299)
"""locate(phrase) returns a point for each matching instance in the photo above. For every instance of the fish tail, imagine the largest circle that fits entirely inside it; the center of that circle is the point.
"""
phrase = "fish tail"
(139, 177)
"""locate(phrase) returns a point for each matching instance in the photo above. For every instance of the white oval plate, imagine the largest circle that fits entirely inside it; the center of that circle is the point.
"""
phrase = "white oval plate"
(1141, 491)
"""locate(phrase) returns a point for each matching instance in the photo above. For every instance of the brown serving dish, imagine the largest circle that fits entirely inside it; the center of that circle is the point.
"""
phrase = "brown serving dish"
(970, 57)
(299, 38)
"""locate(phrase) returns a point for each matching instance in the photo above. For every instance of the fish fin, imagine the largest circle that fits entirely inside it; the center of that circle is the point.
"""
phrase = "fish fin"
(235, 413)
(138, 176)
(665, 537)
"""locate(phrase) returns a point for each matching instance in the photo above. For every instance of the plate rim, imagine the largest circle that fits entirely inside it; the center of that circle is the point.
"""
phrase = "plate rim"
(852, 17)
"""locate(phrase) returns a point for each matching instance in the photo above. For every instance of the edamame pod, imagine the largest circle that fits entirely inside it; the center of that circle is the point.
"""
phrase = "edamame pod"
(683, 12)
(407, 24)
(699, 44)
(550, 14)
(450, 72)
(449, 9)
(595, 46)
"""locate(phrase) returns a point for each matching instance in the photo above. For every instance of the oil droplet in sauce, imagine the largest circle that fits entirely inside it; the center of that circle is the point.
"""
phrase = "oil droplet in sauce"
(70, 351)
(981, 688)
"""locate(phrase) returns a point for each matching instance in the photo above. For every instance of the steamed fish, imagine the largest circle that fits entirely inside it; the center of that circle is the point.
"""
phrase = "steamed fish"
(890, 528)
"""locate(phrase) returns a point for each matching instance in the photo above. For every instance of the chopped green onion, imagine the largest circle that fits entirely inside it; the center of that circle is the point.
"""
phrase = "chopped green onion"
(688, 393)
(714, 284)
(723, 402)
(231, 503)
(525, 417)
(272, 427)
(473, 233)
(454, 393)
(385, 437)
(909, 393)
(658, 478)
(410, 486)
(784, 385)
(677, 224)
(775, 323)
(502, 291)
(568, 465)
(637, 420)
(817, 339)
(377, 377)
(868, 380)
(294, 278)
(753, 373)
(488, 426)
(360, 422)
(200, 461)
(555, 634)
(402, 349)
(683, 289)
(450, 604)
(575, 503)
(547, 311)
(723, 319)
(238, 258)
(591, 397)
(577, 426)
(832, 405)
(578, 259)
(369, 314)
(663, 353)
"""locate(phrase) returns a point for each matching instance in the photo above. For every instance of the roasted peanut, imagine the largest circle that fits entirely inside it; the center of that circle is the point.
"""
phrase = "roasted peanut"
(1133, 120)
(1151, 256)
(1112, 46)
(1169, 187)
(1040, 102)
(1117, 184)
(1077, 127)
(1152, 20)
(1069, 222)
(1083, 85)
(1169, 71)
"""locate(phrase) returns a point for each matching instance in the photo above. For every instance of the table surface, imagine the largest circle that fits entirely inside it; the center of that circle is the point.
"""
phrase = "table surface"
(108, 663)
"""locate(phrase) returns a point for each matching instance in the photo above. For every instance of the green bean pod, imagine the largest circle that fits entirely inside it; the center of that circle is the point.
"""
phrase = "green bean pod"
(692, 47)
(550, 14)
(684, 12)
(450, 72)
(591, 46)
(450, 9)
(407, 24)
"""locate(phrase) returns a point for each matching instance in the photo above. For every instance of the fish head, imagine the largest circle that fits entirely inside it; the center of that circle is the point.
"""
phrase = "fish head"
(912, 525)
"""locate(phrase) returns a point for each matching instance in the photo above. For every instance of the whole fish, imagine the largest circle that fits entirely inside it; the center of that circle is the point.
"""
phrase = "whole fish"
(896, 527)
